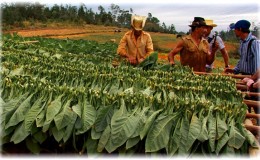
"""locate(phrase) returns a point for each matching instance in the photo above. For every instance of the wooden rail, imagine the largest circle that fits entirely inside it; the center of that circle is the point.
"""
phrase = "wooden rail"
(251, 103)
(237, 76)
(252, 115)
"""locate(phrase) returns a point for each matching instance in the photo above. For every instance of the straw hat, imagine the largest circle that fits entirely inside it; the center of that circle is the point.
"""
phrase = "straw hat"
(209, 22)
(138, 22)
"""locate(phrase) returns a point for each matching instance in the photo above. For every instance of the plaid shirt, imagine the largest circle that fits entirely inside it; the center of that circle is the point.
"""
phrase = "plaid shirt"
(249, 61)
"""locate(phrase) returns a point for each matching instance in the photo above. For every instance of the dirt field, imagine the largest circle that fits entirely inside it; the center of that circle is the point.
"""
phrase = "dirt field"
(104, 34)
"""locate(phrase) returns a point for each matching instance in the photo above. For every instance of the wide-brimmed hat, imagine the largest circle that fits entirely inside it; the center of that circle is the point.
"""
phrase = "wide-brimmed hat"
(209, 22)
(197, 22)
(138, 22)
(241, 24)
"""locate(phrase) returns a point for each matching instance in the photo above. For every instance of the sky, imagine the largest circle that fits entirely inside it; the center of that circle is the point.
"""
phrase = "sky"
(180, 13)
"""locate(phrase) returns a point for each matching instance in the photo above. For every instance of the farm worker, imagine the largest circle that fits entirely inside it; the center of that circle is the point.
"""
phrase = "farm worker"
(136, 44)
(194, 48)
(249, 49)
(212, 38)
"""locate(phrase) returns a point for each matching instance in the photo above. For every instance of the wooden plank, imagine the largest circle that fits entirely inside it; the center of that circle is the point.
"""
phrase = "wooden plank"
(252, 115)
(251, 103)
(237, 76)
(252, 94)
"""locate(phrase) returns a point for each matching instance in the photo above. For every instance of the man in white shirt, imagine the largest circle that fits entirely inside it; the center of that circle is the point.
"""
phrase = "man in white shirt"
(212, 39)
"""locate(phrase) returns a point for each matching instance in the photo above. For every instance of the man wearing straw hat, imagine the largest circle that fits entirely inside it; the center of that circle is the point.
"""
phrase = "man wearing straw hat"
(136, 44)
(213, 39)
(194, 48)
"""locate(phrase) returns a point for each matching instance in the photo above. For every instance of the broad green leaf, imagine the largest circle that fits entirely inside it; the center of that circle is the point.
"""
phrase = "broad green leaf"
(204, 132)
(184, 131)
(77, 109)
(122, 127)
(158, 135)
(61, 120)
(212, 128)
(57, 134)
(148, 124)
(72, 117)
(236, 140)
(104, 139)
(222, 142)
(132, 142)
(53, 109)
(20, 134)
(10, 107)
(95, 134)
(88, 117)
(32, 146)
(194, 131)
(91, 146)
(104, 115)
(40, 136)
(141, 117)
(20, 112)
(251, 139)
(31, 115)
(174, 142)
(221, 127)
(40, 118)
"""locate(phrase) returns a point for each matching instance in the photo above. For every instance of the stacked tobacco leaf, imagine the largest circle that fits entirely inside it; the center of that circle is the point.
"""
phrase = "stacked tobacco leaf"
(75, 100)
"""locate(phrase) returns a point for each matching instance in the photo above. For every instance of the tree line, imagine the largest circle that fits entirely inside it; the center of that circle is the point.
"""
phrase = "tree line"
(15, 14)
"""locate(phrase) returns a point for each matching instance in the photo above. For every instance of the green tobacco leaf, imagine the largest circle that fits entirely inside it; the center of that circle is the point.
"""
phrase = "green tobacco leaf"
(204, 132)
(174, 142)
(251, 138)
(212, 128)
(236, 140)
(31, 115)
(72, 117)
(122, 127)
(40, 136)
(104, 139)
(104, 115)
(88, 117)
(10, 107)
(222, 142)
(61, 120)
(53, 109)
(158, 135)
(77, 109)
(20, 112)
(221, 127)
(194, 131)
(32, 146)
(57, 134)
(20, 134)
(149, 123)
(132, 142)
(184, 131)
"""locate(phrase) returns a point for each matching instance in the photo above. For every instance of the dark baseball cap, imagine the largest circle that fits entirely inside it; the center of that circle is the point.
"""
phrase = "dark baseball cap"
(241, 24)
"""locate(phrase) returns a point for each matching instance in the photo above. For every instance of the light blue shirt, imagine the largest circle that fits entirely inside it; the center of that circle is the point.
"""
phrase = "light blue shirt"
(249, 61)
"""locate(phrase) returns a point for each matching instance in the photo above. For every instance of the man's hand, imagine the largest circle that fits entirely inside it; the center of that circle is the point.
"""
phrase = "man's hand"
(132, 60)
(229, 70)
(257, 84)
